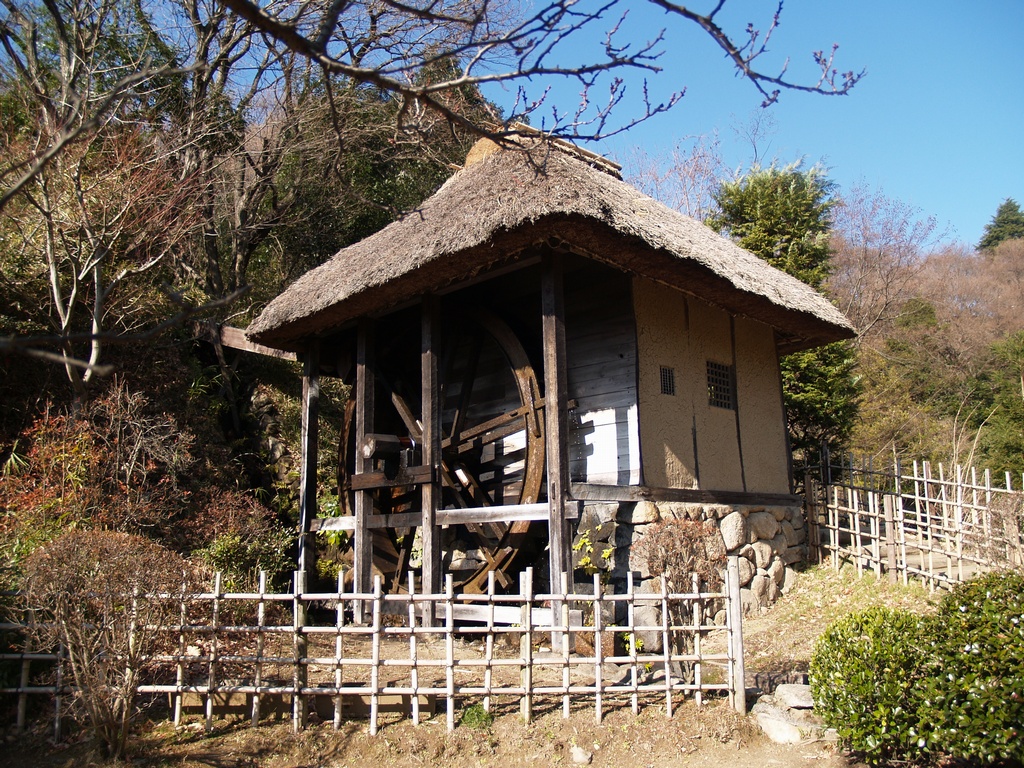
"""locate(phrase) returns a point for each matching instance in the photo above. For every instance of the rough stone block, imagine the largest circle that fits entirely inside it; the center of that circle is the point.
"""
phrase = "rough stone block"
(759, 590)
(680, 510)
(717, 511)
(794, 696)
(734, 530)
(747, 571)
(780, 513)
(783, 725)
(779, 545)
(789, 579)
(596, 513)
(761, 525)
(762, 553)
(795, 555)
(642, 513)
(777, 570)
(650, 616)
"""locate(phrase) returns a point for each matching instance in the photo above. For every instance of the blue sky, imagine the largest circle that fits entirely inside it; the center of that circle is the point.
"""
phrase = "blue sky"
(938, 121)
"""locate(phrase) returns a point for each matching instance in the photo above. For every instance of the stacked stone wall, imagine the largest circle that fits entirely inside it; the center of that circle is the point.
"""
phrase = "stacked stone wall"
(769, 540)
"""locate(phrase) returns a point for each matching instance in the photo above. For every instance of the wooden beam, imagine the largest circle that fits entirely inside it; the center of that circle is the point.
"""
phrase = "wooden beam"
(369, 481)
(505, 513)
(556, 413)
(347, 523)
(364, 425)
(235, 338)
(430, 491)
(309, 439)
(594, 492)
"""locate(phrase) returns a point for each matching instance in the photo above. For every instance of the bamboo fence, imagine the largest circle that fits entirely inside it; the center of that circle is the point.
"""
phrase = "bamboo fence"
(936, 526)
(338, 655)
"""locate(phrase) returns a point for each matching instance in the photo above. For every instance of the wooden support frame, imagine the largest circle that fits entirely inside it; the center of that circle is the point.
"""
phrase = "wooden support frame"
(364, 394)
(310, 437)
(556, 396)
(431, 444)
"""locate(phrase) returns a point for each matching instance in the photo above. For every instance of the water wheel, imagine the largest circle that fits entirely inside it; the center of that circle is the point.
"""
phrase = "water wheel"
(492, 449)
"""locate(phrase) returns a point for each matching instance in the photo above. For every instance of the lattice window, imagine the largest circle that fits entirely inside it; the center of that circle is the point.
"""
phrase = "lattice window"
(721, 390)
(668, 380)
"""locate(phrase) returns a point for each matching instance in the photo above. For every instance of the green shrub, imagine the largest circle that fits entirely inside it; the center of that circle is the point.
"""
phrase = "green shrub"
(475, 716)
(863, 674)
(973, 695)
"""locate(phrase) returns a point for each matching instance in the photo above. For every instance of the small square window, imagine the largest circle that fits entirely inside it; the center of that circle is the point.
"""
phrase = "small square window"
(668, 380)
(720, 386)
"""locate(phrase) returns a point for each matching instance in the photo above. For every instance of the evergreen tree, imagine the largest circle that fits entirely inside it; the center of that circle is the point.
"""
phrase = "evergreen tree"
(1007, 224)
(783, 216)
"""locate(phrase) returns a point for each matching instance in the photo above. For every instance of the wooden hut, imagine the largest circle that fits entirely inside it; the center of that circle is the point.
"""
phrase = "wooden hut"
(538, 349)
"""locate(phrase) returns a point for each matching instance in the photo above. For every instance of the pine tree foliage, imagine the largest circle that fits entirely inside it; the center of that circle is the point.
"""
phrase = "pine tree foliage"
(1007, 224)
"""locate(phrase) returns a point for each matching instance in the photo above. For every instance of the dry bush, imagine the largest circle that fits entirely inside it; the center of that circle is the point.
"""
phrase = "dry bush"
(95, 594)
(677, 549)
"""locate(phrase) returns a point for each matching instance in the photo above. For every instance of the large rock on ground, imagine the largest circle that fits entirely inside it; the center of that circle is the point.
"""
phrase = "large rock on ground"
(784, 725)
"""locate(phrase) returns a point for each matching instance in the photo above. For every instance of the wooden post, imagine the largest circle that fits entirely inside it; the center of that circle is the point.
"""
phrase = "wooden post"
(364, 425)
(431, 453)
(735, 618)
(556, 409)
(888, 503)
(310, 434)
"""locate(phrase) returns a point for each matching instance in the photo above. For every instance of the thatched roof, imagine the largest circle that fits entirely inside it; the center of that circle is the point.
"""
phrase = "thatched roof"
(499, 209)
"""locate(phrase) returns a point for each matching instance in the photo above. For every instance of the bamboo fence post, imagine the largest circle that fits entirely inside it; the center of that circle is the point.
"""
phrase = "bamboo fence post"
(211, 677)
(179, 676)
(958, 519)
(833, 528)
(339, 650)
(526, 644)
(489, 642)
(299, 650)
(378, 595)
(414, 678)
(698, 620)
(566, 644)
(449, 634)
(598, 646)
(890, 537)
(666, 645)
(734, 614)
(631, 635)
(261, 617)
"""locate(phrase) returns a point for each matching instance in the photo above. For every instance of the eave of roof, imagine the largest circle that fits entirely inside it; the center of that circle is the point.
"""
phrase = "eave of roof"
(499, 209)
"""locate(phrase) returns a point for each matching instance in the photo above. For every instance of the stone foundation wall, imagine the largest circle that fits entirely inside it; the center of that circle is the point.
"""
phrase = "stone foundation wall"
(768, 539)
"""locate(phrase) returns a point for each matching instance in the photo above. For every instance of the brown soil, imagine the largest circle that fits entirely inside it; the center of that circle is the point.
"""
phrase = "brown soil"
(778, 647)
(707, 736)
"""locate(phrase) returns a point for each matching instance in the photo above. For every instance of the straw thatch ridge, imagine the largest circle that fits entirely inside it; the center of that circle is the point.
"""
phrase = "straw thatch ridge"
(499, 209)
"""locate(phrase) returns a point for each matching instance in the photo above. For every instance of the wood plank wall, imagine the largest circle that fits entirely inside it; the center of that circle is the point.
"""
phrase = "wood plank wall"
(604, 437)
